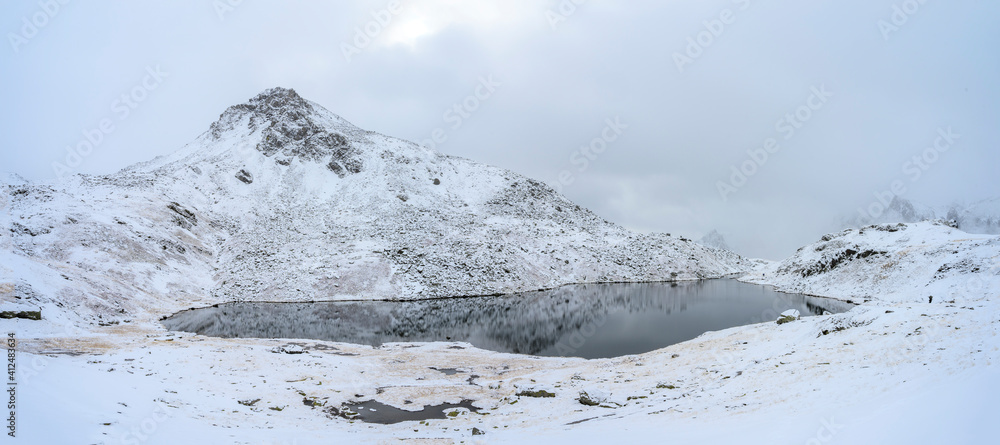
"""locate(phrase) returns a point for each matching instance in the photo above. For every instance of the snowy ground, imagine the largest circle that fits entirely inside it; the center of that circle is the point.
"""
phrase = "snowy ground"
(896, 369)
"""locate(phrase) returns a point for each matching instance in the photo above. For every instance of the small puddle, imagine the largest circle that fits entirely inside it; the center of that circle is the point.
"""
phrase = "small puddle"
(377, 412)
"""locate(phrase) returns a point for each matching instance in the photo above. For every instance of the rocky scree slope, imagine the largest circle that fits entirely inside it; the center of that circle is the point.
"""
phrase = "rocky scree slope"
(282, 200)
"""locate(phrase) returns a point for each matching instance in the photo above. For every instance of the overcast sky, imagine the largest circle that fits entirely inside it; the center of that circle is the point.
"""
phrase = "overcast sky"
(844, 94)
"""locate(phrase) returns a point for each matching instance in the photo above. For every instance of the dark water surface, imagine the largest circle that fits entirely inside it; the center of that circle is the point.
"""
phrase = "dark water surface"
(589, 321)
(376, 412)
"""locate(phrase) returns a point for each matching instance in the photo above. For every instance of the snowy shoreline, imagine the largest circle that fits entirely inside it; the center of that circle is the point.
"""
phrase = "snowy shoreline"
(753, 378)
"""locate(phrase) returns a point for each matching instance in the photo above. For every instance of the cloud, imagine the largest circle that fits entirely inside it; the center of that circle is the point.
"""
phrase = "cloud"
(421, 19)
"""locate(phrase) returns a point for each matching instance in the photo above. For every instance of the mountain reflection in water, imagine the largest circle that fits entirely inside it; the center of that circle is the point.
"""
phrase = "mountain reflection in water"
(589, 321)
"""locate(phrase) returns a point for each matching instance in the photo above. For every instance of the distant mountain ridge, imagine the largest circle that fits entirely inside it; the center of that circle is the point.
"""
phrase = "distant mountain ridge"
(715, 240)
(924, 262)
(982, 217)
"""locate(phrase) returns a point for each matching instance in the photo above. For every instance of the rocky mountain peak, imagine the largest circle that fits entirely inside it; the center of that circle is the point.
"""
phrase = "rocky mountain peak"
(281, 99)
(269, 107)
(291, 127)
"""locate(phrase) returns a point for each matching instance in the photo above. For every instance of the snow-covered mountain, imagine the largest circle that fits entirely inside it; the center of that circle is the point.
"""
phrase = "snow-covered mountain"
(917, 262)
(715, 240)
(282, 200)
(978, 217)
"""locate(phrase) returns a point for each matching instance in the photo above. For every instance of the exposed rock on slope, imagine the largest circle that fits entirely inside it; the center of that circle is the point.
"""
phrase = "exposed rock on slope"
(282, 200)
(892, 263)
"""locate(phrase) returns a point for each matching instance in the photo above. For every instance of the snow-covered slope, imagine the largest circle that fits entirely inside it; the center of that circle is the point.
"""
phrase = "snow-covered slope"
(282, 200)
(926, 370)
(978, 217)
(919, 262)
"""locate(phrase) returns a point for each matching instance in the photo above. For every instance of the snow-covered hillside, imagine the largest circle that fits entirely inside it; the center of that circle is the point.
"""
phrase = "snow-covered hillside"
(926, 261)
(978, 217)
(896, 369)
(282, 200)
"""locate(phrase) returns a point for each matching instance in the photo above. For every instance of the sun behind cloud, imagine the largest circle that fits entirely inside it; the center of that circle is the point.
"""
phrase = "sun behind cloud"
(422, 18)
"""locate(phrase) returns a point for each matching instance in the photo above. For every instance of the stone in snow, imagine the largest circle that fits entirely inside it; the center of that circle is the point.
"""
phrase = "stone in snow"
(791, 313)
